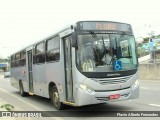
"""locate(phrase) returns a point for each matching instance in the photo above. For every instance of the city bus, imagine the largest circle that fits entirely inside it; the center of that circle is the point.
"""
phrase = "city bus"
(89, 62)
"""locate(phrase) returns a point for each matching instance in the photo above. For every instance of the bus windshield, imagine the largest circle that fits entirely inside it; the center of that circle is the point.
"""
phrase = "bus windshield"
(98, 52)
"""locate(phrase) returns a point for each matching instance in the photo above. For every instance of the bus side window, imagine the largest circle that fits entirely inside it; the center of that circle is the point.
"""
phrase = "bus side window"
(53, 49)
(17, 59)
(23, 58)
(13, 61)
(39, 53)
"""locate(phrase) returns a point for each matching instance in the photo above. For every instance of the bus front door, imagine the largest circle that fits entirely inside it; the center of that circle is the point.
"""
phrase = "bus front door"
(68, 69)
(30, 76)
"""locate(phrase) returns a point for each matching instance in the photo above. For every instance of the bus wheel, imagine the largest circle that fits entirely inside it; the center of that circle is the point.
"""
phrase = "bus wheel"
(21, 89)
(55, 99)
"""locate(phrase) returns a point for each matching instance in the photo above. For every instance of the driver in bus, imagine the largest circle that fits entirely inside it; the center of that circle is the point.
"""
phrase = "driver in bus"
(107, 55)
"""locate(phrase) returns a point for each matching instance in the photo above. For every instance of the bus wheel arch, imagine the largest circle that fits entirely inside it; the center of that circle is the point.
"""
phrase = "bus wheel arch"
(51, 84)
(21, 89)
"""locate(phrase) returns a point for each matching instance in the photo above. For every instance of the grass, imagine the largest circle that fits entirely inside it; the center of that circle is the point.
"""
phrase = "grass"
(8, 107)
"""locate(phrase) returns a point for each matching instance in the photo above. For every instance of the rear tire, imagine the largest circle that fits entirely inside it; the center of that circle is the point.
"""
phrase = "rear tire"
(55, 99)
(21, 89)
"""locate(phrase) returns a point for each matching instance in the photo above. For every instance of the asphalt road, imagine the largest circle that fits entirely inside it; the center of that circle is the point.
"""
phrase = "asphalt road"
(149, 100)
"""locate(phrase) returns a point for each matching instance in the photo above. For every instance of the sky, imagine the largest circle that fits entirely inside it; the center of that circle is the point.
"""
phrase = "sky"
(23, 22)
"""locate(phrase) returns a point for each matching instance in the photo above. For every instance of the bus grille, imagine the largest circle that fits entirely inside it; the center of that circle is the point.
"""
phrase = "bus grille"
(117, 80)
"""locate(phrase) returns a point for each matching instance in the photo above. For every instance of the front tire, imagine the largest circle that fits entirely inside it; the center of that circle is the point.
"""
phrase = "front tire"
(55, 99)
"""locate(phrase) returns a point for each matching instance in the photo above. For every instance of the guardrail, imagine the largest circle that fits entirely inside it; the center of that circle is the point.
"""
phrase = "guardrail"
(149, 71)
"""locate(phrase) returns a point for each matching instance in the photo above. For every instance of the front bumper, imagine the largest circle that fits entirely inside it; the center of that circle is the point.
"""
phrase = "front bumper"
(86, 98)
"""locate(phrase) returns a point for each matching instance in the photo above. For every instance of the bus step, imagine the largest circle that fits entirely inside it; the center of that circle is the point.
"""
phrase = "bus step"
(30, 93)
(69, 103)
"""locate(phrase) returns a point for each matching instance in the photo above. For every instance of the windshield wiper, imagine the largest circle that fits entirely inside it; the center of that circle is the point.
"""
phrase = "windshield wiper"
(96, 55)
(113, 52)
(98, 51)
(94, 35)
(105, 50)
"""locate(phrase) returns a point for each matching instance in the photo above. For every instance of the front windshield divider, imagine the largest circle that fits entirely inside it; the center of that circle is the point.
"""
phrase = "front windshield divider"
(104, 49)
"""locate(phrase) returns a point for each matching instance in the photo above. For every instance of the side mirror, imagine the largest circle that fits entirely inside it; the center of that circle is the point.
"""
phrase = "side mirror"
(74, 40)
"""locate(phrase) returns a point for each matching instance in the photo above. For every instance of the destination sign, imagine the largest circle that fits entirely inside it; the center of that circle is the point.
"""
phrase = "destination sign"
(109, 26)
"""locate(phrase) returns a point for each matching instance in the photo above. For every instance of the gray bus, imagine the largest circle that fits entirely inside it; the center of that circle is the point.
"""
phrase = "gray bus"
(89, 62)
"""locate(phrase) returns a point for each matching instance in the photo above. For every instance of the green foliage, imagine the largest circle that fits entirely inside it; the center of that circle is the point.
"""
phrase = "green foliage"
(153, 36)
(141, 52)
(4, 60)
(145, 40)
(8, 107)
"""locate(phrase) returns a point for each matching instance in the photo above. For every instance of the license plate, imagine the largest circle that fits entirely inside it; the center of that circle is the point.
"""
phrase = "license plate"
(116, 96)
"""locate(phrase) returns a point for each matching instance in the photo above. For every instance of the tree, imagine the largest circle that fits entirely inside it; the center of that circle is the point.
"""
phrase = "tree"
(4, 60)
(152, 34)
(146, 40)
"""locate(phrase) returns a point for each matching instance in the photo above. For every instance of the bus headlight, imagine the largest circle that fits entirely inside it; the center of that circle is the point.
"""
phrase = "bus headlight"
(85, 88)
(135, 84)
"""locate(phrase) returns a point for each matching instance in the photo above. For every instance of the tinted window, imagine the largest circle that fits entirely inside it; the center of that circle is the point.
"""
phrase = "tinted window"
(13, 61)
(23, 54)
(23, 58)
(39, 53)
(53, 49)
(40, 48)
(17, 58)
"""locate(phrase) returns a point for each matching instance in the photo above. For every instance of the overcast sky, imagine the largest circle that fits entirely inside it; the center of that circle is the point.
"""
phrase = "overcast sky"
(23, 22)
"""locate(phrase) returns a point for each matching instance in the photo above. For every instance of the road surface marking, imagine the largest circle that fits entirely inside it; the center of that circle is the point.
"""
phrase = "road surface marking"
(35, 107)
(145, 88)
(155, 105)
(23, 101)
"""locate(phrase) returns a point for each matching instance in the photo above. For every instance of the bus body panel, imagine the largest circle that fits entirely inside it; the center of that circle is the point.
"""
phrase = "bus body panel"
(38, 78)
(54, 73)
(18, 74)
(102, 97)
(77, 76)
